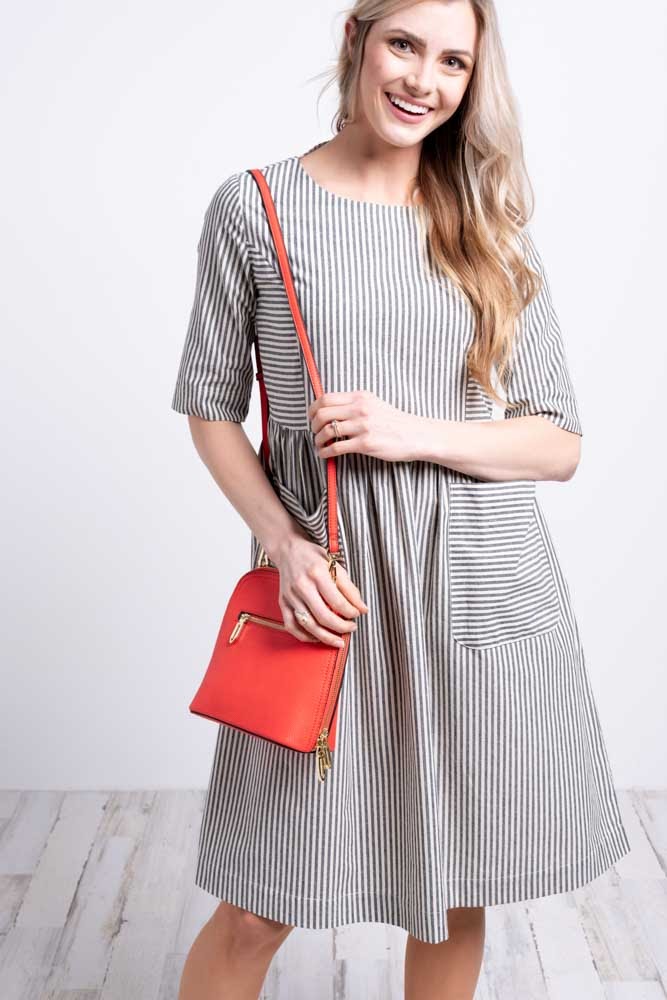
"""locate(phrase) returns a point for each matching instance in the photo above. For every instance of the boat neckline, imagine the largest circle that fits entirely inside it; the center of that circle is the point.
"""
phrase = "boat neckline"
(316, 186)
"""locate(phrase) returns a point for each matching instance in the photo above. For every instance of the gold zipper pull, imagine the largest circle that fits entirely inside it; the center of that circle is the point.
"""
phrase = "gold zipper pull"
(323, 755)
(332, 559)
(243, 618)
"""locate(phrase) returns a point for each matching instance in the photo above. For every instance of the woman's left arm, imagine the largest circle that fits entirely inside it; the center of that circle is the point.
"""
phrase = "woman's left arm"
(539, 386)
(540, 437)
(526, 448)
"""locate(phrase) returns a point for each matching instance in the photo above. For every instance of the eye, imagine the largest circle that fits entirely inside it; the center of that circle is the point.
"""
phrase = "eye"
(401, 41)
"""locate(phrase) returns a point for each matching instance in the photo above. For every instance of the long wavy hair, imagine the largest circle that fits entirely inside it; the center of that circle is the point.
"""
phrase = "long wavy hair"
(475, 190)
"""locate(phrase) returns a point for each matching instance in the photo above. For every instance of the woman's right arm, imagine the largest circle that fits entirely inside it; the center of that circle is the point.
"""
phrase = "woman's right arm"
(214, 386)
(305, 581)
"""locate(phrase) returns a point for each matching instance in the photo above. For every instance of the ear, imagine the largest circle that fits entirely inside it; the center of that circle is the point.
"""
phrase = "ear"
(350, 33)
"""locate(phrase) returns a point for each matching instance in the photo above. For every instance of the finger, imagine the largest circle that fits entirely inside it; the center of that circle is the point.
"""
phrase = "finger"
(312, 603)
(330, 400)
(349, 590)
(325, 431)
(323, 603)
(319, 633)
(310, 630)
(339, 596)
(295, 628)
(337, 592)
(339, 446)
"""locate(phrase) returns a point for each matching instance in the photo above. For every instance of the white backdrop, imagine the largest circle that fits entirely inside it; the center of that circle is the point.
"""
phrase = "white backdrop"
(119, 122)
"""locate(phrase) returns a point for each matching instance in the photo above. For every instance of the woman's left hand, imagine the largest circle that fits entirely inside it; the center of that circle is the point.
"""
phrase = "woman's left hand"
(370, 426)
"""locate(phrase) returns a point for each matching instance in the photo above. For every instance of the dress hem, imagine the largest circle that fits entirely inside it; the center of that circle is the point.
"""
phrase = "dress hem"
(326, 912)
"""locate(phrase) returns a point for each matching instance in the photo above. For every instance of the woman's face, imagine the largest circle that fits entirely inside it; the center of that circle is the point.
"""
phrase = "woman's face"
(424, 54)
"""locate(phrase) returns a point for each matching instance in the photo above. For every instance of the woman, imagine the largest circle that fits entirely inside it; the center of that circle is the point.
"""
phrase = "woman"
(470, 767)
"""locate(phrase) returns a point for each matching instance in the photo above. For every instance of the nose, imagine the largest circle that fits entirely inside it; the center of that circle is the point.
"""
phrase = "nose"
(420, 81)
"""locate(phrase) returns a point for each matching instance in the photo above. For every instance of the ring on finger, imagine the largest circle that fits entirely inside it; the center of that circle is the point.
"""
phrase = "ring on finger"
(337, 433)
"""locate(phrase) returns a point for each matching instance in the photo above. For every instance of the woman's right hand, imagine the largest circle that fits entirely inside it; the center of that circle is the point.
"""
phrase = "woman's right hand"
(306, 584)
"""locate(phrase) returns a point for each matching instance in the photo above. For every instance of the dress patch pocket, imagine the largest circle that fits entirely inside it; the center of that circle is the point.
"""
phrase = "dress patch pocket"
(502, 585)
(312, 517)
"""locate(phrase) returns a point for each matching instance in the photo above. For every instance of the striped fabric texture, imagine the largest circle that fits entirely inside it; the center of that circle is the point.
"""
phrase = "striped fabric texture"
(470, 767)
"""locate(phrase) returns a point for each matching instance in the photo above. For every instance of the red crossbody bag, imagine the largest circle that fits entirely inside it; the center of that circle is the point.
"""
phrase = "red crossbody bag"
(260, 677)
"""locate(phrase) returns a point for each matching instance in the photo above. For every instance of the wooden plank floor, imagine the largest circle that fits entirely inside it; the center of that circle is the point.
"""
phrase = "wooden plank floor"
(97, 902)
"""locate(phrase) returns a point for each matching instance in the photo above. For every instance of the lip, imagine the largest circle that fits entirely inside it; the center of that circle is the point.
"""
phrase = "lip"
(404, 116)
(410, 100)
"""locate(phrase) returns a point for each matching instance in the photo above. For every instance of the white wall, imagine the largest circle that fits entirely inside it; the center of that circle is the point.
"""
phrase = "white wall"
(119, 122)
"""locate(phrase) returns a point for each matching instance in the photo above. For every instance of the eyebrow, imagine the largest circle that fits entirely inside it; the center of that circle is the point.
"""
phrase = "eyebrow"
(420, 41)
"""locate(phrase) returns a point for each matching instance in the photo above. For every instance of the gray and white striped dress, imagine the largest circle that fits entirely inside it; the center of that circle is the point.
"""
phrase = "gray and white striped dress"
(470, 767)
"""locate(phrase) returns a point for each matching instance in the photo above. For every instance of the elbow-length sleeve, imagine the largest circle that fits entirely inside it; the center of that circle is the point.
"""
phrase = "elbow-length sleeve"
(215, 376)
(539, 380)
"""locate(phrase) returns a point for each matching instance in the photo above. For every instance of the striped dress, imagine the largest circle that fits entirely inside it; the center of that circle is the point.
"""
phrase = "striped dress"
(470, 767)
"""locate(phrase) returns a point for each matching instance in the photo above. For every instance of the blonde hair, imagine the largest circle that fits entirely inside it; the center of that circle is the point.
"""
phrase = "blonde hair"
(473, 182)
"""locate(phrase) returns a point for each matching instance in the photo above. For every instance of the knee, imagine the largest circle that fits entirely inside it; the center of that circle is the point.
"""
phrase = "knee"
(465, 916)
(247, 931)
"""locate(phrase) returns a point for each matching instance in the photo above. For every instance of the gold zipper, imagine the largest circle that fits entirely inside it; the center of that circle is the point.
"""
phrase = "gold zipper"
(246, 616)
(322, 754)
(322, 750)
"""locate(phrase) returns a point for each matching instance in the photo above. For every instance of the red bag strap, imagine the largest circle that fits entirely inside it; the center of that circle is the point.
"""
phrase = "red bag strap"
(283, 261)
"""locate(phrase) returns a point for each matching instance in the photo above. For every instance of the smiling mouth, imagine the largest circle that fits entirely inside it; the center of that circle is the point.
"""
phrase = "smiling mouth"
(409, 114)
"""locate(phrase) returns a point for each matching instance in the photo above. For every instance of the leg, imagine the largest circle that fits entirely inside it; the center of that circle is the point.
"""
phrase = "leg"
(448, 970)
(231, 955)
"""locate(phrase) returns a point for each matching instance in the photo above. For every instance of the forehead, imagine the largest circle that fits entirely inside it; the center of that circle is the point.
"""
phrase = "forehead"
(434, 23)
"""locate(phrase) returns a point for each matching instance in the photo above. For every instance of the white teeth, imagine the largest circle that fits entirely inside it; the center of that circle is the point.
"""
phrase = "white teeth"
(416, 108)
